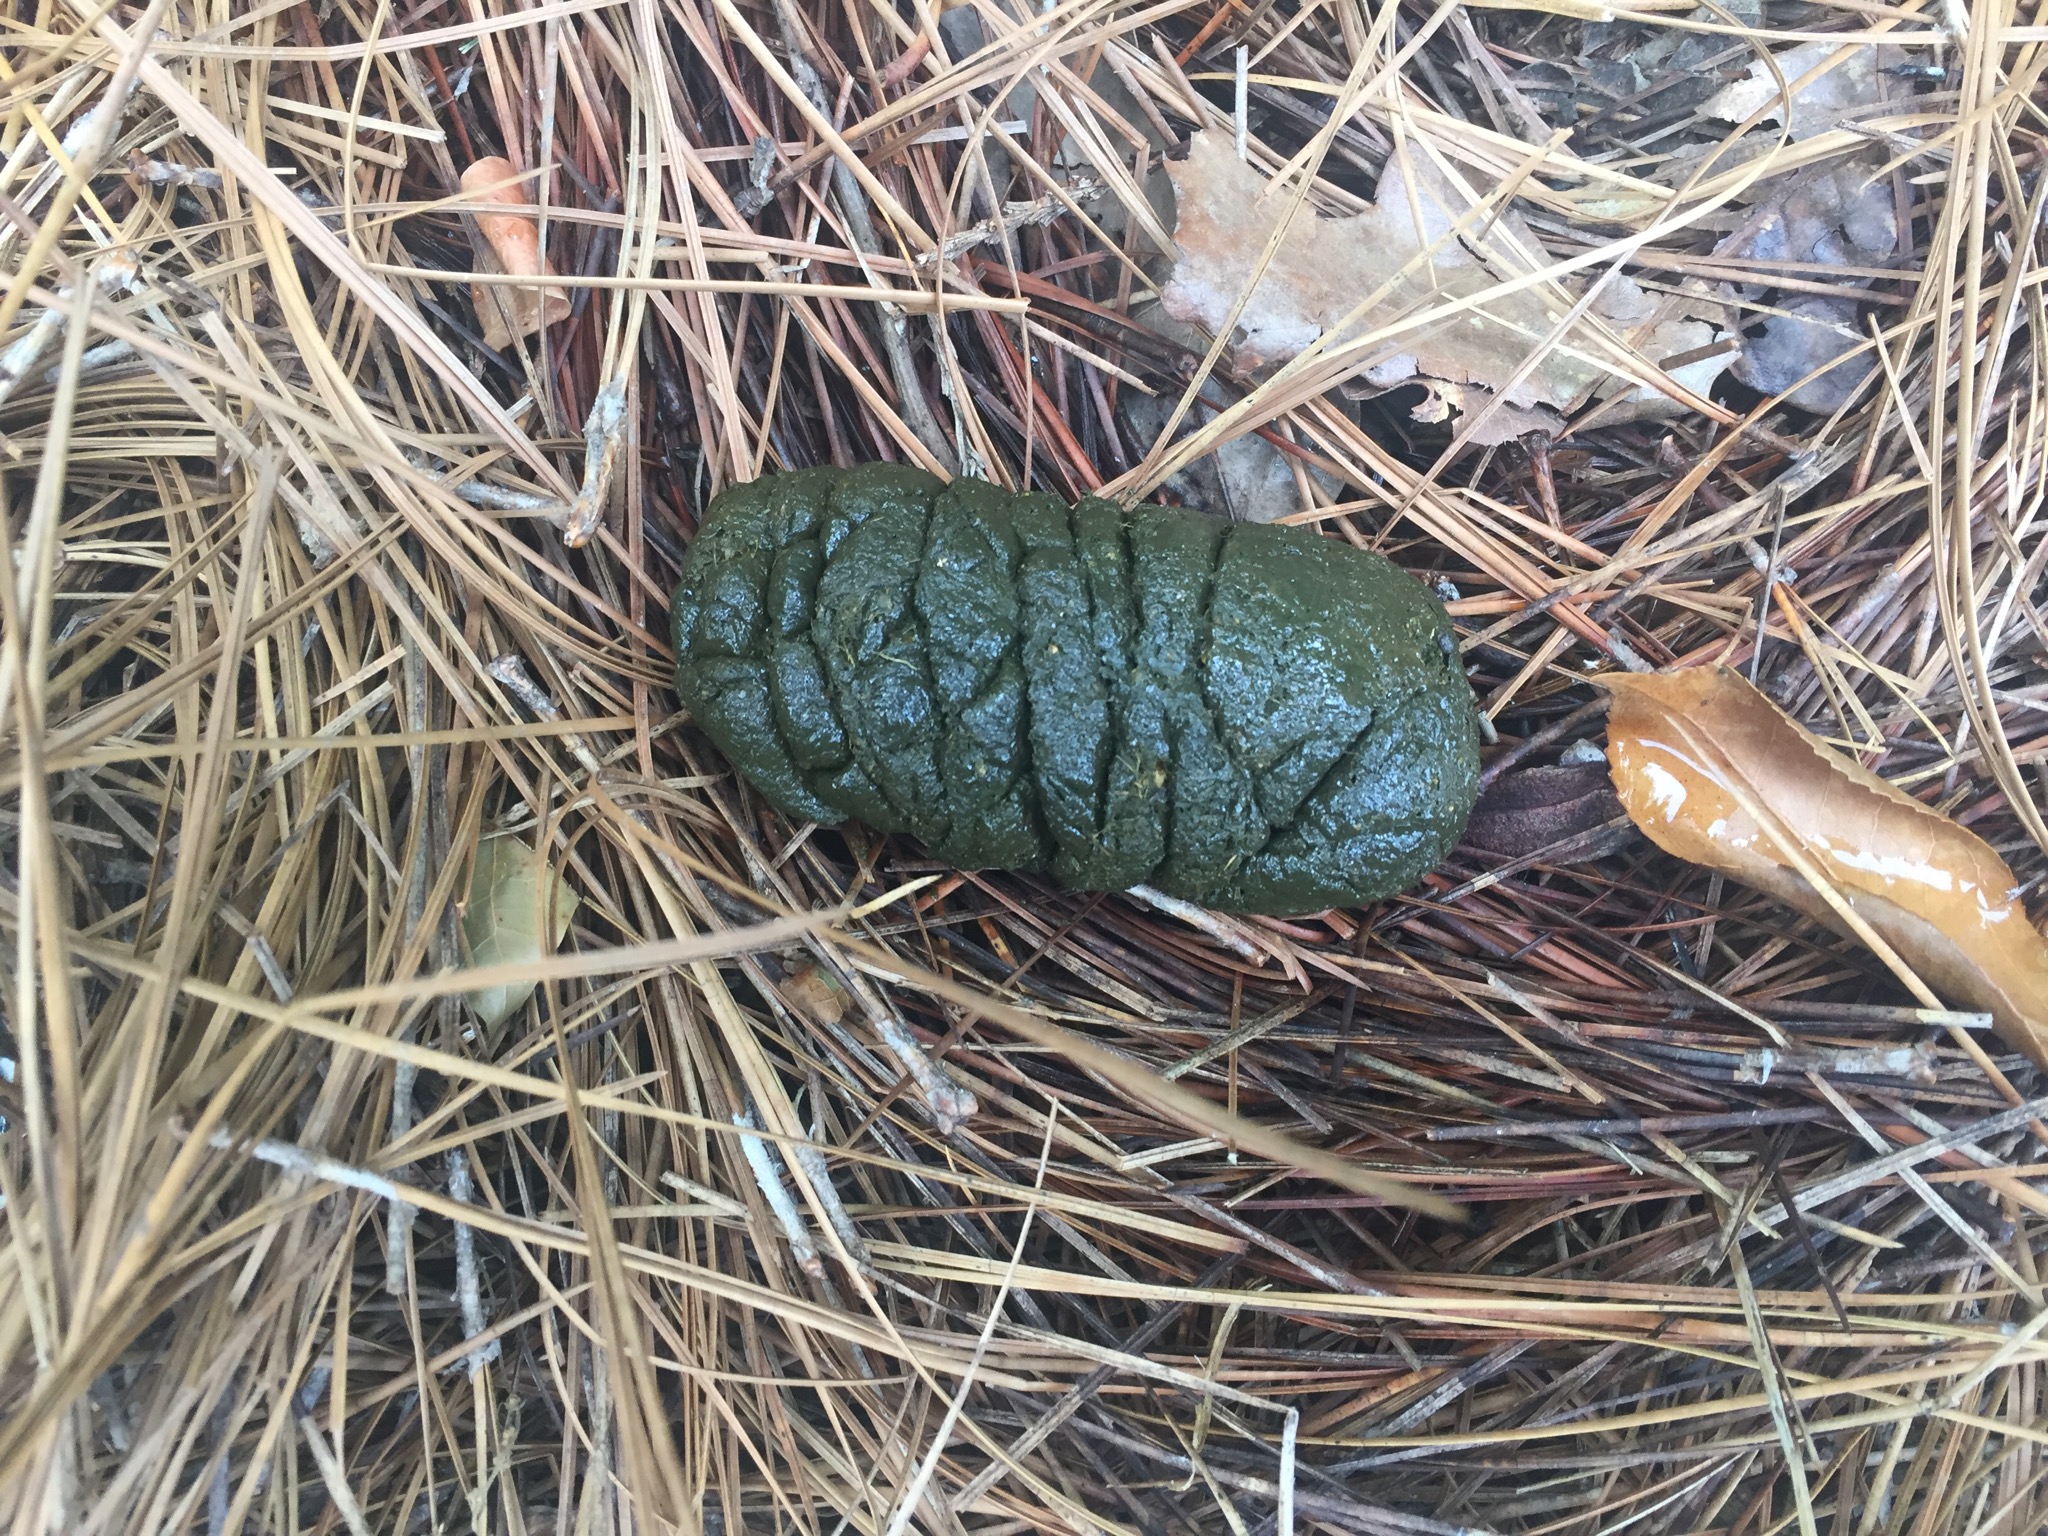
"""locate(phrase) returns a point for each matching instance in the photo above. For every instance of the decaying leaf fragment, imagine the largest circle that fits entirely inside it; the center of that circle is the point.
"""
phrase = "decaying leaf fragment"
(1789, 352)
(1561, 812)
(1838, 215)
(1714, 772)
(1324, 268)
(502, 922)
(1847, 91)
(1835, 214)
(509, 310)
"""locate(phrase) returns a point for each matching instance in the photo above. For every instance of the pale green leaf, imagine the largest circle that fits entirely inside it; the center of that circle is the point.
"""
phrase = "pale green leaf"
(502, 920)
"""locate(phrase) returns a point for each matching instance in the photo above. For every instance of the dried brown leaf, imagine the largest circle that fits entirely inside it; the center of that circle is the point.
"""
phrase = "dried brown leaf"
(1226, 213)
(1464, 357)
(1714, 772)
(1837, 215)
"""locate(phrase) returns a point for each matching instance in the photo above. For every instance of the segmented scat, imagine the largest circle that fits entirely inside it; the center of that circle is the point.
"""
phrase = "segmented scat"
(1255, 718)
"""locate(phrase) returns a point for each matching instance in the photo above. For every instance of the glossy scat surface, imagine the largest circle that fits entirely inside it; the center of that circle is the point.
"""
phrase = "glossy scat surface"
(1252, 717)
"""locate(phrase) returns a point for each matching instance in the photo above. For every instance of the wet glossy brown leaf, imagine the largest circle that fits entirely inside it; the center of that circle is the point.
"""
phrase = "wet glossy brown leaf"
(1714, 772)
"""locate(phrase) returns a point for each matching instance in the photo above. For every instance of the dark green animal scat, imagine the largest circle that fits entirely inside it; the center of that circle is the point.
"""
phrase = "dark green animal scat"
(877, 664)
(966, 597)
(1255, 718)
(1131, 840)
(1069, 723)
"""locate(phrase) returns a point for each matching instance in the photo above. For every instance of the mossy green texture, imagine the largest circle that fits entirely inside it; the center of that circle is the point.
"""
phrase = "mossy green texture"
(1256, 718)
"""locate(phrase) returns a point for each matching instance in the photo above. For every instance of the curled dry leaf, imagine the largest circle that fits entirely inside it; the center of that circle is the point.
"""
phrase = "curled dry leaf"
(507, 311)
(1714, 772)
(814, 993)
(501, 920)
(1463, 358)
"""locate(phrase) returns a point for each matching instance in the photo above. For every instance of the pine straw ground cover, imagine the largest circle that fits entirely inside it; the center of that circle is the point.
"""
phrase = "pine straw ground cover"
(294, 1241)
